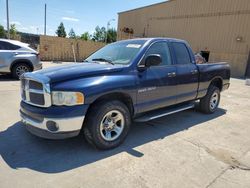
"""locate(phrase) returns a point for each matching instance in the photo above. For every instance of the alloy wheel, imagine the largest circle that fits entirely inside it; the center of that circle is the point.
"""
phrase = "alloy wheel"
(112, 125)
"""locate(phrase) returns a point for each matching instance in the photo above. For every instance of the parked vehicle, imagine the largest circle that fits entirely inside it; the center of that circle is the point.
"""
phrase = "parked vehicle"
(18, 58)
(133, 80)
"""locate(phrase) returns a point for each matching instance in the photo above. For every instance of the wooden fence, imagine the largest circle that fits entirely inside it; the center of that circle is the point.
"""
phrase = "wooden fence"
(64, 49)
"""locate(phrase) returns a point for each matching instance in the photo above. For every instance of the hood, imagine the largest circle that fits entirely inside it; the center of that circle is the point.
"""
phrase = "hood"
(77, 70)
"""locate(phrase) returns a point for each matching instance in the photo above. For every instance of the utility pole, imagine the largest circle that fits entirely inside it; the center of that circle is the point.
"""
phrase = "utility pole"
(8, 20)
(45, 18)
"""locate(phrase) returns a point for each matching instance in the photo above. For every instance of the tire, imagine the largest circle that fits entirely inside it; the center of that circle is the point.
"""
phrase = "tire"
(19, 69)
(107, 124)
(210, 102)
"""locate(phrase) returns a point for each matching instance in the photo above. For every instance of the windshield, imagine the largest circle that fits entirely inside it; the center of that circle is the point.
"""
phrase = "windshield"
(118, 53)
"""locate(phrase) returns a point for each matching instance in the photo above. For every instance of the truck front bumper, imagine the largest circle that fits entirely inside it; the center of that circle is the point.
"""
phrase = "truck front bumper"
(55, 126)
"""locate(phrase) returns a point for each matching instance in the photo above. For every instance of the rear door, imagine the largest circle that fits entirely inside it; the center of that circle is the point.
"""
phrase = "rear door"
(156, 84)
(7, 52)
(187, 76)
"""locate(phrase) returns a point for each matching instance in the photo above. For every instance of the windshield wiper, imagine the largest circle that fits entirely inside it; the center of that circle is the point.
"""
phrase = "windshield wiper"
(103, 60)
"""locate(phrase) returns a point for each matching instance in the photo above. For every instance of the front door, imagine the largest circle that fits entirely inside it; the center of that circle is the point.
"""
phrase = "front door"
(157, 84)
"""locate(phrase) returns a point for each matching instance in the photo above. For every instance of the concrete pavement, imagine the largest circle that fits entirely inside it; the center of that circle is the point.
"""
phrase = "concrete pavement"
(187, 149)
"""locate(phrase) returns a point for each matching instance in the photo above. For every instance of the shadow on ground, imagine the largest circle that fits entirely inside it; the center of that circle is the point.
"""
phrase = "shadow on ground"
(20, 149)
(6, 77)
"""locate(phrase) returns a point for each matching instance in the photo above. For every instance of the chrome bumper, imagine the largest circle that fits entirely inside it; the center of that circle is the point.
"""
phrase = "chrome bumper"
(53, 128)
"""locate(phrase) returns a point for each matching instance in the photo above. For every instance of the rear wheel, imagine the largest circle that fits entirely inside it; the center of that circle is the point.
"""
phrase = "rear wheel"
(107, 124)
(19, 69)
(210, 102)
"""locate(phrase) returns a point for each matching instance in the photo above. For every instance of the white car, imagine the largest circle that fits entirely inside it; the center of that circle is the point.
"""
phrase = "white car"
(17, 58)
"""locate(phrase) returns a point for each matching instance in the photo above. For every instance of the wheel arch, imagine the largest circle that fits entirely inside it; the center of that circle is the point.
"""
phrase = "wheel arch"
(218, 82)
(26, 61)
(126, 99)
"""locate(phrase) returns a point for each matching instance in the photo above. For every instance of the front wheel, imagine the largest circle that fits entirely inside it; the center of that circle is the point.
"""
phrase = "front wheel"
(19, 69)
(210, 102)
(107, 124)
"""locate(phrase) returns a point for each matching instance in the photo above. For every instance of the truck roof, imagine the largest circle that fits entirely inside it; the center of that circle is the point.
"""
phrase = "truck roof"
(156, 39)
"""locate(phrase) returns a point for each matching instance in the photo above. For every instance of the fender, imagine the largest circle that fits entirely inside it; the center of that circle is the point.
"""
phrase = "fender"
(203, 92)
(96, 87)
(21, 61)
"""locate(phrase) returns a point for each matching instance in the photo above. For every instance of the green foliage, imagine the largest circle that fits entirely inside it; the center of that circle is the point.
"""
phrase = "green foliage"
(13, 30)
(72, 34)
(86, 36)
(112, 35)
(99, 34)
(2, 32)
(61, 31)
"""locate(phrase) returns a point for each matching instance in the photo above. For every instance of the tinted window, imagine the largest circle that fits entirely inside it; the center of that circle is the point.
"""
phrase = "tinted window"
(8, 46)
(1, 45)
(162, 49)
(181, 52)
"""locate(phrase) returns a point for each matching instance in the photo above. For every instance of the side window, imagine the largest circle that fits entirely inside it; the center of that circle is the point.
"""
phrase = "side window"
(14, 47)
(162, 49)
(1, 45)
(181, 52)
(8, 46)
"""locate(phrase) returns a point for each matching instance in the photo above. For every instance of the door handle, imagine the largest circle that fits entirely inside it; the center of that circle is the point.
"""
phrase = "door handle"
(172, 74)
(194, 71)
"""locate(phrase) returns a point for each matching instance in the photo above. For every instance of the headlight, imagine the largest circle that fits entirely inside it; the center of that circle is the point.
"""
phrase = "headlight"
(60, 98)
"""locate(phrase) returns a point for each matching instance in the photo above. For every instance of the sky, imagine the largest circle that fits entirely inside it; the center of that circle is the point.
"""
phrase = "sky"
(81, 15)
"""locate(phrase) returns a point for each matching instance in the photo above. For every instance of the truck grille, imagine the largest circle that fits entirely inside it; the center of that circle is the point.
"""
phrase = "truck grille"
(35, 92)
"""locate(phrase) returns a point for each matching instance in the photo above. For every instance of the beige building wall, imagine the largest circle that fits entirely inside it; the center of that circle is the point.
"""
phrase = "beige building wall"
(219, 26)
(60, 49)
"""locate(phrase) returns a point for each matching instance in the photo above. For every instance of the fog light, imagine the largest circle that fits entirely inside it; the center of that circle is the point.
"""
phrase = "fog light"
(52, 126)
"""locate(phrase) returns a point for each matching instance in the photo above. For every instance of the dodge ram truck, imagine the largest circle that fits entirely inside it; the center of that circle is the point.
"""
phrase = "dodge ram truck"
(132, 80)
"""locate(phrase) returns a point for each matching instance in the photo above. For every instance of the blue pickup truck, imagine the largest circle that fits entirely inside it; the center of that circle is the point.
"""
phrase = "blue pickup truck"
(133, 80)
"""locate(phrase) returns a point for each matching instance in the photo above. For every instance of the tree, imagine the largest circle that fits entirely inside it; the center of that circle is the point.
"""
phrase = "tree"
(72, 34)
(86, 36)
(61, 31)
(99, 34)
(112, 34)
(2, 32)
(13, 30)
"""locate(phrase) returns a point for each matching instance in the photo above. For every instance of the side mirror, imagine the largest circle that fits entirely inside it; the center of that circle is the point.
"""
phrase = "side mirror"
(153, 60)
